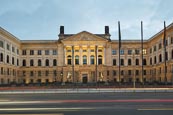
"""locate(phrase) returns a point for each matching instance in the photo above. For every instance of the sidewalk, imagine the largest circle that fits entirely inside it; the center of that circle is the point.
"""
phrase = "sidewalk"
(87, 90)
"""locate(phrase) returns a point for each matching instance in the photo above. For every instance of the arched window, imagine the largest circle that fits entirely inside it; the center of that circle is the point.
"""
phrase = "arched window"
(39, 62)
(114, 61)
(150, 61)
(160, 58)
(92, 60)
(137, 61)
(77, 60)
(54, 62)
(144, 62)
(129, 62)
(84, 59)
(31, 62)
(155, 59)
(47, 62)
(1, 57)
(8, 60)
(166, 54)
(122, 61)
(24, 62)
(99, 59)
(13, 60)
(69, 60)
(17, 62)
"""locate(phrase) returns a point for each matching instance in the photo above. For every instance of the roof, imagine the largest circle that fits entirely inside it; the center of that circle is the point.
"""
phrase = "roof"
(8, 34)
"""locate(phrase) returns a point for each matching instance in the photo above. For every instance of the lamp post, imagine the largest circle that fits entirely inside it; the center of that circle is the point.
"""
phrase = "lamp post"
(61, 77)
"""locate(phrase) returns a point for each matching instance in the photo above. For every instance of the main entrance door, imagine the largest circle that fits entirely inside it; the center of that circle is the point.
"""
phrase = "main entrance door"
(84, 78)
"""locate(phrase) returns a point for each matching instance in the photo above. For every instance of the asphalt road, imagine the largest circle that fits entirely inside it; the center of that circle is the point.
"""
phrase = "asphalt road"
(87, 104)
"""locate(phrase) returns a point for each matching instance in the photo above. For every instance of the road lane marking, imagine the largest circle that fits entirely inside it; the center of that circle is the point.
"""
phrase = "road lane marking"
(35, 109)
(38, 114)
(90, 101)
(156, 109)
(19, 102)
(4, 100)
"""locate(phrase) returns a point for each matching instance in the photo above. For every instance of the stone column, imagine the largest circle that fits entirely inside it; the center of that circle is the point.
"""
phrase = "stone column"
(88, 56)
(80, 55)
(65, 57)
(104, 56)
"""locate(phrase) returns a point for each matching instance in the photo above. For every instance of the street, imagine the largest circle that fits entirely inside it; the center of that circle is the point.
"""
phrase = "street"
(87, 104)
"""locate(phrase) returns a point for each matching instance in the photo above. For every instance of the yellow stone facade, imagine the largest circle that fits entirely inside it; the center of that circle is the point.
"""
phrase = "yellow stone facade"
(84, 58)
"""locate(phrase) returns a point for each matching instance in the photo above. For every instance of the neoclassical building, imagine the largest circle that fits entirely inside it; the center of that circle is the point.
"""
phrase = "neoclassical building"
(85, 58)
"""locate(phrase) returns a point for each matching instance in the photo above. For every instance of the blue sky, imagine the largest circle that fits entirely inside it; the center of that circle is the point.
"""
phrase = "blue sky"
(40, 19)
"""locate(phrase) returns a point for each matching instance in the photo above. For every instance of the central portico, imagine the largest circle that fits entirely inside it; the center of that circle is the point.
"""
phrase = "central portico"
(84, 53)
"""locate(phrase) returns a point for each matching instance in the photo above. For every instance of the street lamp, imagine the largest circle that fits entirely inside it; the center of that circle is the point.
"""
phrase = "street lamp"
(61, 77)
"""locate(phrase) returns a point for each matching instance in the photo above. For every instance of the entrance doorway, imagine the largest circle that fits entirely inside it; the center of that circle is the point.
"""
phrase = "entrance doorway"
(84, 78)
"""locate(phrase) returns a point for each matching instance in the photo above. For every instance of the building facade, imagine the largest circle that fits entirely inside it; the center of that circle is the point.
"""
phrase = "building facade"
(85, 58)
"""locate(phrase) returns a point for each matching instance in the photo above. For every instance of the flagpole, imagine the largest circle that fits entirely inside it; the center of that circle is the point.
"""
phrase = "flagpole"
(119, 35)
(142, 50)
(164, 43)
(96, 64)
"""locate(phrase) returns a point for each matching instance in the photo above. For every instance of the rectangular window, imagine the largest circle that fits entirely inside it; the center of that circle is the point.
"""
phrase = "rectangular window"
(1, 44)
(150, 50)
(39, 73)
(155, 48)
(113, 52)
(46, 52)
(8, 71)
(114, 72)
(31, 73)
(160, 45)
(108, 73)
(24, 73)
(39, 52)
(121, 52)
(166, 41)
(84, 50)
(137, 72)
(122, 72)
(8, 47)
(92, 50)
(55, 52)
(99, 50)
(47, 73)
(171, 40)
(18, 51)
(144, 51)
(54, 73)
(76, 50)
(129, 72)
(13, 49)
(23, 52)
(145, 72)
(129, 52)
(2, 71)
(68, 50)
(31, 52)
(137, 51)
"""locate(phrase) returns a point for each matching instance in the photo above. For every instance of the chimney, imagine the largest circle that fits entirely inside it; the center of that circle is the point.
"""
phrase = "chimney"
(106, 29)
(61, 29)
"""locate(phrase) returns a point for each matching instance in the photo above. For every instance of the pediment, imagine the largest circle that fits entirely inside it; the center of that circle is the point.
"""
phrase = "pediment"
(85, 36)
